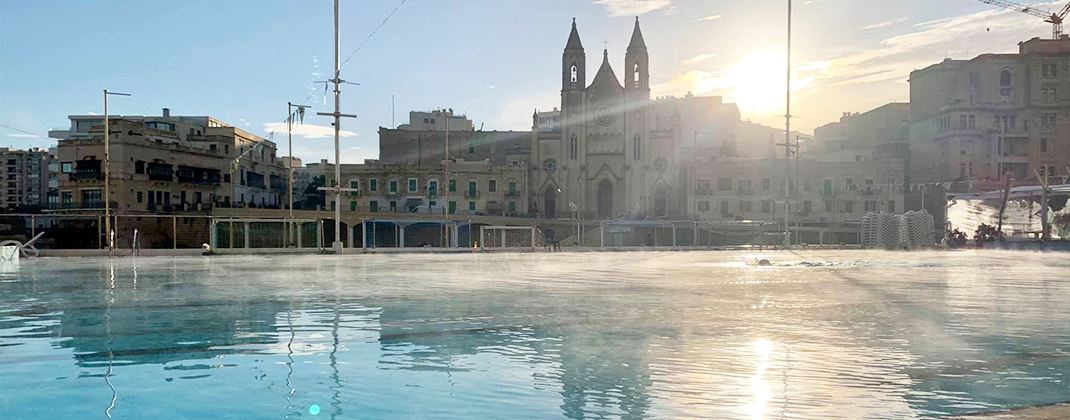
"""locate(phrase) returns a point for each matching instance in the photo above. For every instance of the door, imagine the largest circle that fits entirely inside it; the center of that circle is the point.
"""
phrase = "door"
(605, 199)
(550, 202)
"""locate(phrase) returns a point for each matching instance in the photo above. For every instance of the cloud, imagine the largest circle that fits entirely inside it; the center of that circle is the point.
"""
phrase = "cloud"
(711, 17)
(488, 87)
(697, 58)
(618, 8)
(91, 113)
(32, 136)
(886, 23)
(244, 122)
(356, 147)
(966, 36)
(308, 131)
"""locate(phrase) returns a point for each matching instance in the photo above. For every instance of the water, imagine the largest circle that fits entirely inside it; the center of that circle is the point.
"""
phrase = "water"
(862, 334)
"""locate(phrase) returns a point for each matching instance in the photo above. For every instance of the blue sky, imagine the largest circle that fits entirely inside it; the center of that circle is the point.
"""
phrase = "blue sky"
(241, 61)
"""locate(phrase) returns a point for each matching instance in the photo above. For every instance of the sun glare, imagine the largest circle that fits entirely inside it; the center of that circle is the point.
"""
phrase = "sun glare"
(758, 81)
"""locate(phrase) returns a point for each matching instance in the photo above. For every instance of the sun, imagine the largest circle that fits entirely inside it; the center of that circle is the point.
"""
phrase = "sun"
(757, 82)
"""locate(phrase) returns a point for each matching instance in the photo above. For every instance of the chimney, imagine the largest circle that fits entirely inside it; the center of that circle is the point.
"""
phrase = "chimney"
(166, 112)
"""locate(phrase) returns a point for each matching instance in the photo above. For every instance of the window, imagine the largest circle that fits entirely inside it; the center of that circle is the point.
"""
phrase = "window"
(426, 121)
(393, 206)
(140, 197)
(724, 184)
(67, 167)
(1048, 94)
(807, 207)
(871, 206)
(767, 206)
(635, 75)
(574, 147)
(744, 185)
(355, 184)
(471, 188)
(827, 187)
(226, 178)
(1043, 145)
(393, 187)
(848, 206)
(90, 197)
(213, 147)
(636, 146)
(373, 185)
(703, 186)
(891, 206)
(806, 185)
(492, 185)
(471, 206)
(432, 188)
(1047, 119)
(226, 149)
(412, 185)
(512, 188)
(139, 167)
(704, 206)
(333, 205)
(849, 184)
(352, 206)
(452, 207)
(744, 205)
(512, 207)
(1049, 70)
(471, 146)
(972, 122)
(828, 206)
(1005, 83)
(453, 185)
(66, 197)
(574, 73)
(962, 121)
(766, 184)
(724, 209)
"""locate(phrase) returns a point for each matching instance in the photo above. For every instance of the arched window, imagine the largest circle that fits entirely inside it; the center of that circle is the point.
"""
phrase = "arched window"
(574, 73)
(573, 147)
(635, 72)
(636, 146)
(1005, 84)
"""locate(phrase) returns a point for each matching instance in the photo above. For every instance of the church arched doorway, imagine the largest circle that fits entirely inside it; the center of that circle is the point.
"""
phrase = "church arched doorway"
(549, 201)
(605, 200)
(659, 202)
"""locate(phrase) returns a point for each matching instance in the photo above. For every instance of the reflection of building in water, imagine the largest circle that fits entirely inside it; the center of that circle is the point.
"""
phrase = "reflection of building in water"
(150, 321)
(593, 381)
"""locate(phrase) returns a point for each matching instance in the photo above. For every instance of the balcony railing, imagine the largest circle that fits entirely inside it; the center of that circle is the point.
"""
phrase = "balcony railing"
(86, 174)
(703, 191)
(512, 194)
(471, 194)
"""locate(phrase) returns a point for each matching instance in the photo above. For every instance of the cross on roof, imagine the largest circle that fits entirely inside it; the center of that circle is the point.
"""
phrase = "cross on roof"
(606, 44)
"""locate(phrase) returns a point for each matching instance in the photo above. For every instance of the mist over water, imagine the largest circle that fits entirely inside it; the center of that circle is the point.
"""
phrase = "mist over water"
(815, 335)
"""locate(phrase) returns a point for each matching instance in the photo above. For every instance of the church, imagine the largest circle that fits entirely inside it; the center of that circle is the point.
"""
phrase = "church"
(612, 151)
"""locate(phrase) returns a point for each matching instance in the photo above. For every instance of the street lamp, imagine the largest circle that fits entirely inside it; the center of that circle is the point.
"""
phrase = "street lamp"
(107, 172)
(290, 140)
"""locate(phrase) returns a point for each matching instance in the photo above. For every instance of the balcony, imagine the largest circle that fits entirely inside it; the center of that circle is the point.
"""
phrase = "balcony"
(198, 176)
(84, 175)
(745, 191)
(512, 195)
(703, 190)
(471, 194)
(160, 172)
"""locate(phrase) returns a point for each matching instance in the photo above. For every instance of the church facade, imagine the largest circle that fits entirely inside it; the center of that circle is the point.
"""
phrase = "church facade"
(612, 151)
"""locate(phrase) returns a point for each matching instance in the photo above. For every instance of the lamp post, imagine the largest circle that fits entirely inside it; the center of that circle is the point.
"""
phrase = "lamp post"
(107, 173)
(290, 140)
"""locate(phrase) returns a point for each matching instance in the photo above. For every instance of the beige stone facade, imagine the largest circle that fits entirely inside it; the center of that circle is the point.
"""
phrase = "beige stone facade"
(475, 188)
(969, 118)
(166, 164)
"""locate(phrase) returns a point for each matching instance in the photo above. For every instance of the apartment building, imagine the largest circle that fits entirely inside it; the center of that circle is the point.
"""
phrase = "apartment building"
(472, 188)
(25, 176)
(166, 164)
(994, 114)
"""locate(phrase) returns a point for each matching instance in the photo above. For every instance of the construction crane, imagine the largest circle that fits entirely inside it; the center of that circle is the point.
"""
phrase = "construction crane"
(1055, 19)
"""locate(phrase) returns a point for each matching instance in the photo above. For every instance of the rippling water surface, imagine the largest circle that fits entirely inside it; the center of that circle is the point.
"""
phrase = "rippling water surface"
(818, 335)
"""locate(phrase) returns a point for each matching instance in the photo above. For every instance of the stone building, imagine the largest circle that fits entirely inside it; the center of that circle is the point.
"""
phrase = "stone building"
(821, 191)
(166, 164)
(855, 135)
(478, 187)
(427, 148)
(970, 118)
(26, 177)
(437, 120)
